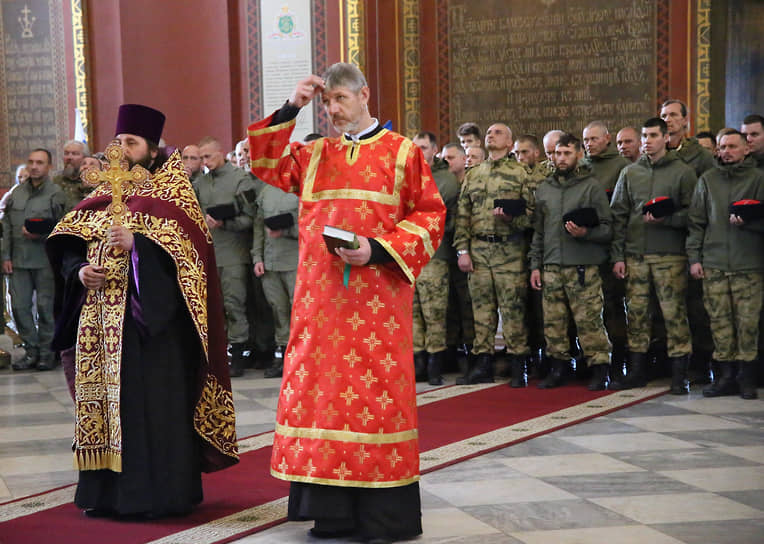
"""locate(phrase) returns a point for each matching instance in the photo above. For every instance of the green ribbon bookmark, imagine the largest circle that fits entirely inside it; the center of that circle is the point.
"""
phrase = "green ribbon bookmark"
(346, 276)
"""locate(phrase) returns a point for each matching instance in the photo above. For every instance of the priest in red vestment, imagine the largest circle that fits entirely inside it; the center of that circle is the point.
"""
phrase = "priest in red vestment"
(346, 429)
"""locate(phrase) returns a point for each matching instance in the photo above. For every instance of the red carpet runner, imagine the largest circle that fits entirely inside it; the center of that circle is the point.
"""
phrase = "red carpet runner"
(442, 421)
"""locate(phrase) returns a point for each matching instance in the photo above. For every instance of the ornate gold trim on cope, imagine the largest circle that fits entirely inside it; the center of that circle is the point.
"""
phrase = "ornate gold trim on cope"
(80, 45)
(411, 85)
(703, 65)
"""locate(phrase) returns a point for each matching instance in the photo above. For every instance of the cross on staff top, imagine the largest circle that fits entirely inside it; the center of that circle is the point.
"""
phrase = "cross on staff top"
(116, 174)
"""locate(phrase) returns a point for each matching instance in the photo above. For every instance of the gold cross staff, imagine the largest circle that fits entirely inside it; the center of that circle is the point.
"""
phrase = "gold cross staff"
(116, 174)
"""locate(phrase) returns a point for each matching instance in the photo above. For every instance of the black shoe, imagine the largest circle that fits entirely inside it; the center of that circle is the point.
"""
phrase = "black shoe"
(680, 385)
(30, 360)
(48, 362)
(558, 374)
(238, 362)
(331, 528)
(98, 513)
(746, 379)
(519, 375)
(700, 368)
(420, 366)
(725, 380)
(434, 366)
(481, 371)
(599, 378)
(636, 373)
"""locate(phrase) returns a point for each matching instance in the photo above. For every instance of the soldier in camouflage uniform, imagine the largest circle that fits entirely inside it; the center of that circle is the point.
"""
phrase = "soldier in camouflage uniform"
(649, 253)
(69, 178)
(676, 115)
(274, 253)
(567, 257)
(491, 247)
(225, 185)
(25, 260)
(431, 288)
(727, 252)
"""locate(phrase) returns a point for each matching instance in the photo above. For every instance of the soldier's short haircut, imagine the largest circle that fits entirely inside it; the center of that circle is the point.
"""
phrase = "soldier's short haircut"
(528, 138)
(727, 131)
(753, 118)
(43, 150)
(598, 124)
(568, 139)
(207, 140)
(707, 134)
(656, 122)
(682, 105)
(452, 145)
(469, 128)
(425, 134)
(343, 74)
(85, 148)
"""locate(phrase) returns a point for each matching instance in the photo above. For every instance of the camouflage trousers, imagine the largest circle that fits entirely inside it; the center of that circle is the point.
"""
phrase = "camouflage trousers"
(493, 288)
(733, 301)
(578, 289)
(429, 307)
(668, 276)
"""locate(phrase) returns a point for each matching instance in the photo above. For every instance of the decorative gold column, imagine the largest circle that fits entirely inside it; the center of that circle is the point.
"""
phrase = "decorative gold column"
(81, 91)
(411, 86)
(352, 18)
(703, 64)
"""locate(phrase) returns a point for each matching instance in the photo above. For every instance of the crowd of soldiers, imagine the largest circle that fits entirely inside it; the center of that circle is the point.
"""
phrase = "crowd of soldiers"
(603, 258)
(615, 259)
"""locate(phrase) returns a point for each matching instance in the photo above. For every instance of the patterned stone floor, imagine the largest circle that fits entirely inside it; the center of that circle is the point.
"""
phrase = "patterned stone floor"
(669, 470)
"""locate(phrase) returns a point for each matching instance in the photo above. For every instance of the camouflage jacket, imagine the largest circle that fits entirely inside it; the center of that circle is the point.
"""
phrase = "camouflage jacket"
(74, 190)
(639, 183)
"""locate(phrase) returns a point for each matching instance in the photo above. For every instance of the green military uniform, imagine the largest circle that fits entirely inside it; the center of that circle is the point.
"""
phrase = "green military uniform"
(279, 257)
(73, 188)
(31, 270)
(655, 256)
(431, 287)
(606, 167)
(232, 241)
(497, 249)
(733, 266)
(571, 283)
(699, 159)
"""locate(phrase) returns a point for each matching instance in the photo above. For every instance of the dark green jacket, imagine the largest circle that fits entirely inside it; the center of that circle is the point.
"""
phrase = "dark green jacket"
(27, 202)
(502, 178)
(694, 154)
(226, 185)
(607, 166)
(448, 187)
(712, 240)
(556, 196)
(277, 254)
(639, 183)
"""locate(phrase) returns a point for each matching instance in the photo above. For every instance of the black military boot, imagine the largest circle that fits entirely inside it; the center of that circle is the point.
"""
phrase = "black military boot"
(420, 366)
(725, 380)
(558, 374)
(481, 371)
(31, 357)
(276, 370)
(519, 375)
(48, 361)
(238, 362)
(435, 367)
(636, 373)
(700, 367)
(680, 384)
(746, 379)
(599, 379)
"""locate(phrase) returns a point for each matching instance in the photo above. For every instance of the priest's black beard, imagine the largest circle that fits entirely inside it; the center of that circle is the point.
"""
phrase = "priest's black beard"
(145, 161)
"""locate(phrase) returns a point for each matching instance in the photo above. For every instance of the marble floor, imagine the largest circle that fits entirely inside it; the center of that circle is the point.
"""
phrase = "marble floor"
(670, 470)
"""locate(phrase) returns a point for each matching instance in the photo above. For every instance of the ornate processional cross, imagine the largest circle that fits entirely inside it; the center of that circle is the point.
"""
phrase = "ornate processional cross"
(117, 175)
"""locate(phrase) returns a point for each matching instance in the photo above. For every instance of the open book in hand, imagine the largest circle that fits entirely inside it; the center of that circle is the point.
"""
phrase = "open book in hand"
(335, 237)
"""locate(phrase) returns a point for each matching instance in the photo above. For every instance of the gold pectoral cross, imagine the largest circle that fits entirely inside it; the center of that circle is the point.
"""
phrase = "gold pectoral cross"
(117, 175)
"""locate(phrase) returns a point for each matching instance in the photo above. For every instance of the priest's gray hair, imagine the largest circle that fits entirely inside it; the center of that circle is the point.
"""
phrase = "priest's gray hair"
(343, 74)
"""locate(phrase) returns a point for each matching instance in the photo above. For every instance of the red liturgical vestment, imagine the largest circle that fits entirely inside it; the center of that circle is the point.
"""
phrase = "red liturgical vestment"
(347, 408)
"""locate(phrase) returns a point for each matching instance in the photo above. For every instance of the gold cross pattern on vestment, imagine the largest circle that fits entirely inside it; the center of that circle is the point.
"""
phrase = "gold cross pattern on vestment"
(118, 176)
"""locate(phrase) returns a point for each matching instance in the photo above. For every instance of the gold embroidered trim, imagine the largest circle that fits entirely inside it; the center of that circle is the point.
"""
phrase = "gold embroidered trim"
(346, 436)
(215, 412)
(422, 232)
(98, 460)
(264, 163)
(273, 128)
(344, 483)
(398, 259)
(310, 173)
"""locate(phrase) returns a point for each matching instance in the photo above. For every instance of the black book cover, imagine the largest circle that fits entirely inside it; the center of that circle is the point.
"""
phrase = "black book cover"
(583, 217)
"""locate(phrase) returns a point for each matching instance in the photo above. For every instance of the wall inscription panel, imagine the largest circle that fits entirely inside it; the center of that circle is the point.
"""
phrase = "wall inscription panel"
(547, 64)
(32, 81)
